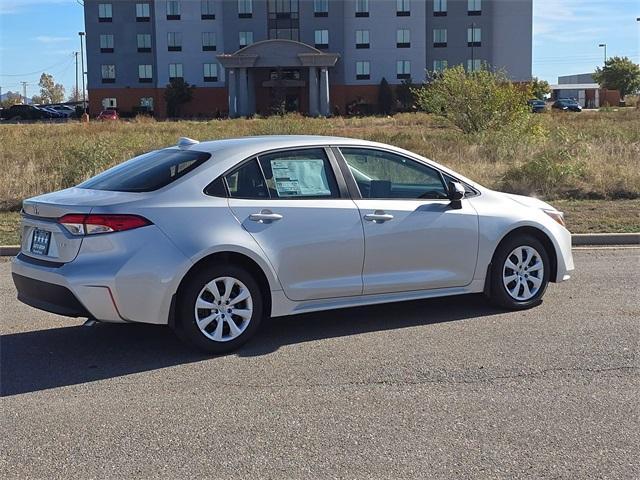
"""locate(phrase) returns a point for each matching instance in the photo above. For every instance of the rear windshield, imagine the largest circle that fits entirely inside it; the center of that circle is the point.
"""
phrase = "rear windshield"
(148, 172)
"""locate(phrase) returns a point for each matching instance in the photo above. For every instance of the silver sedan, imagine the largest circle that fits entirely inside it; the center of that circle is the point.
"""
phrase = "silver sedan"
(210, 237)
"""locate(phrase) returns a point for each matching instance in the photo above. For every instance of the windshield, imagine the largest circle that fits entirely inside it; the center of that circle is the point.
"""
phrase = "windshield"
(148, 172)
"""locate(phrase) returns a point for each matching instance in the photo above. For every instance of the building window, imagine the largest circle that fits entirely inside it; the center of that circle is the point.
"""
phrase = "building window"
(210, 72)
(439, 37)
(474, 37)
(207, 10)
(403, 69)
(474, 7)
(439, 65)
(109, 102)
(147, 103)
(106, 43)
(246, 38)
(322, 38)
(283, 19)
(321, 8)
(362, 71)
(175, 70)
(402, 8)
(208, 41)
(143, 12)
(174, 41)
(362, 38)
(108, 73)
(403, 38)
(439, 8)
(105, 12)
(144, 42)
(362, 8)
(173, 10)
(145, 73)
(245, 8)
(474, 65)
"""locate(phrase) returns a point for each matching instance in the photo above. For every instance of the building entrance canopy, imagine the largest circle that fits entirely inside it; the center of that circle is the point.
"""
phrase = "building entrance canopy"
(276, 54)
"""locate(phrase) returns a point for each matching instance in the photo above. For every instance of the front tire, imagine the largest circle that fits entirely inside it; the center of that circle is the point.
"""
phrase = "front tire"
(520, 272)
(219, 309)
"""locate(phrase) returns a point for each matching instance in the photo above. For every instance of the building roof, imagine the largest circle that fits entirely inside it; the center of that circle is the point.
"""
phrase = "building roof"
(576, 86)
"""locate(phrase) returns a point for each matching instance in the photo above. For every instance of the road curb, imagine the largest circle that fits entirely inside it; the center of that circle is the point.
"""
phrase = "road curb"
(577, 239)
(605, 239)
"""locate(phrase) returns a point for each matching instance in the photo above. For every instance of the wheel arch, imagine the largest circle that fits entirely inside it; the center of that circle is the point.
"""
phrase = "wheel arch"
(227, 257)
(535, 232)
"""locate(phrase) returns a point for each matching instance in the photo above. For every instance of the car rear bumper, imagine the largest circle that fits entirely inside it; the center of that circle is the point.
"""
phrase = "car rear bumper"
(48, 297)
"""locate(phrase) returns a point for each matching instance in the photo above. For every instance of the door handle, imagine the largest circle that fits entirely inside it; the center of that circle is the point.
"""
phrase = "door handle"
(265, 216)
(379, 216)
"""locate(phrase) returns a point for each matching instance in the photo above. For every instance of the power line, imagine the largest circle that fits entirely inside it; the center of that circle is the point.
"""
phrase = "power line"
(32, 73)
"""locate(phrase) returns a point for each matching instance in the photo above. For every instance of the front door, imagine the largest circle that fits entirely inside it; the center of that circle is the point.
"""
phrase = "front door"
(310, 231)
(414, 239)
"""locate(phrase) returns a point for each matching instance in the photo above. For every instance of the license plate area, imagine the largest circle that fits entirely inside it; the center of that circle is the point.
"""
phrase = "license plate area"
(40, 242)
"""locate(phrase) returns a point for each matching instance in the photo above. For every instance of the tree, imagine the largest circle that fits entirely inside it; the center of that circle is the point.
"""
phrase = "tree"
(619, 73)
(385, 97)
(474, 101)
(50, 92)
(404, 93)
(75, 95)
(177, 93)
(539, 88)
(11, 98)
(37, 99)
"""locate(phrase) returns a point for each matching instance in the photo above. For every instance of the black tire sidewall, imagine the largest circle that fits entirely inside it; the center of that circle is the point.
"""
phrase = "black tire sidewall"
(185, 325)
(499, 294)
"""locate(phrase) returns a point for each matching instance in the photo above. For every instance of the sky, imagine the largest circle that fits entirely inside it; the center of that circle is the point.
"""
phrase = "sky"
(41, 35)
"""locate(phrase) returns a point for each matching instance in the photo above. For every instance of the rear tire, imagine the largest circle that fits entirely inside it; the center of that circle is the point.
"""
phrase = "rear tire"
(219, 309)
(520, 272)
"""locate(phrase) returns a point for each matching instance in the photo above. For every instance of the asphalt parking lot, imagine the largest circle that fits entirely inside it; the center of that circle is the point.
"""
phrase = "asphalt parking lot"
(448, 388)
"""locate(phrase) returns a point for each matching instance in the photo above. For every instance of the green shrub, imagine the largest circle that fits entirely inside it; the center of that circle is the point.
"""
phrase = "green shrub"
(474, 101)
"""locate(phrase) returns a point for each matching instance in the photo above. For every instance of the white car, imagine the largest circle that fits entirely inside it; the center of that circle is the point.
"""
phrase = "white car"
(64, 110)
(210, 237)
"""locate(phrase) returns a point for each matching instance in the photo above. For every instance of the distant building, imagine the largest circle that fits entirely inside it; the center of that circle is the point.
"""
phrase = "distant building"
(313, 56)
(583, 88)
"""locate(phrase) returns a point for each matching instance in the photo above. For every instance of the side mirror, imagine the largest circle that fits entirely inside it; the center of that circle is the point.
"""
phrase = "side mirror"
(456, 194)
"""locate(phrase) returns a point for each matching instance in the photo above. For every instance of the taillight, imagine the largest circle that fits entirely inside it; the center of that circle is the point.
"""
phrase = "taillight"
(79, 224)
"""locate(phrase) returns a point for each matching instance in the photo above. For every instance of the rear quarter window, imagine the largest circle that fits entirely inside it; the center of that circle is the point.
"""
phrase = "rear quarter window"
(148, 172)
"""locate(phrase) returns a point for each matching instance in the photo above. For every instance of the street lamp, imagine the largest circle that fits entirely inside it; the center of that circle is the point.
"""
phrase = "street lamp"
(604, 45)
(84, 101)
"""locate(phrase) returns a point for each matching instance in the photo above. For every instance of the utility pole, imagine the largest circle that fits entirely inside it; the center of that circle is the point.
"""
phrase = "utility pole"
(24, 92)
(84, 102)
(75, 54)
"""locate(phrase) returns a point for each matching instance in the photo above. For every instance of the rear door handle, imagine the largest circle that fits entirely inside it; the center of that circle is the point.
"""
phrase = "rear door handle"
(265, 216)
(379, 216)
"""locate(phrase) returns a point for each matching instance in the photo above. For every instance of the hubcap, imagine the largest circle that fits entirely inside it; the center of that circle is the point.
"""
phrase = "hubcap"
(223, 309)
(522, 273)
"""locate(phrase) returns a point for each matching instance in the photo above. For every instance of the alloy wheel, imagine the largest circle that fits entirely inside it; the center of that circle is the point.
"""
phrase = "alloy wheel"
(522, 273)
(223, 309)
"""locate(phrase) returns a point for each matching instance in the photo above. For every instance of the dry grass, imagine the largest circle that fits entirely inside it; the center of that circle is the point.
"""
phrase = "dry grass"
(572, 156)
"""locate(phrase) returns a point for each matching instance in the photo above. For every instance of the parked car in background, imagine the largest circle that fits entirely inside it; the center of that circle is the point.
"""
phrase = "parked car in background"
(108, 114)
(537, 106)
(50, 112)
(210, 237)
(65, 110)
(567, 105)
(25, 112)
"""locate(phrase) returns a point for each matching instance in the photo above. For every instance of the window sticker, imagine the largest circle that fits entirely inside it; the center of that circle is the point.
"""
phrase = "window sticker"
(300, 178)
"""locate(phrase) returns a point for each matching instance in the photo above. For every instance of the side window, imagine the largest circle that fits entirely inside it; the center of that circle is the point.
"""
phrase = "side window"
(381, 174)
(247, 181)
(303, 173)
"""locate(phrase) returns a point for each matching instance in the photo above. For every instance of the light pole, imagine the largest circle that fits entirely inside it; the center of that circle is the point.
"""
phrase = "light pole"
(84, 102)
(604, 45)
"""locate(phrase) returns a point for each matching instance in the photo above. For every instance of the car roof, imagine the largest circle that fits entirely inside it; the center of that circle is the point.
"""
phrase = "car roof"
(263, 143)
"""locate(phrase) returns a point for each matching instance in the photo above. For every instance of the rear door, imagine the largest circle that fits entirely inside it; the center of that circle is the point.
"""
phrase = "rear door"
(295, 205)
(414, 239)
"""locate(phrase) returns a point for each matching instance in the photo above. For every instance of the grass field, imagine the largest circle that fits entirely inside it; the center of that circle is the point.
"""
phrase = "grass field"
(586, 164)
(582, 216)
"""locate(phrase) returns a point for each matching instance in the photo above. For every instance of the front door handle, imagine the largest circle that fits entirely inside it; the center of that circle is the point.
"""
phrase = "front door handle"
(265, 216)
(379, 216)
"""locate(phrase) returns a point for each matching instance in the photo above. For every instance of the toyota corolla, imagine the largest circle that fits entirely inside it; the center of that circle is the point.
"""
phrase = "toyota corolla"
(210, 237)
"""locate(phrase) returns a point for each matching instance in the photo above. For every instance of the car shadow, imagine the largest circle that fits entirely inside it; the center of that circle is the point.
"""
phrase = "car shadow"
(43, 359)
